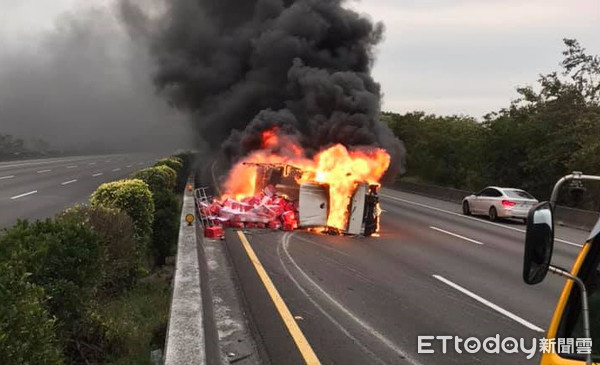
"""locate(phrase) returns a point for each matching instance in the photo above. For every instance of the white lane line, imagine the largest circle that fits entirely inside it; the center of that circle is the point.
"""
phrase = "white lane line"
(43, 171)
(129, 166)
(92, 163)
(117, 169)
(323, 311)
(455, 235)
(98, 174)
(285, 241)
(6, 177)
(69, 182)
(72, 166)
(23, 195)
(471, 218)
(493, 306)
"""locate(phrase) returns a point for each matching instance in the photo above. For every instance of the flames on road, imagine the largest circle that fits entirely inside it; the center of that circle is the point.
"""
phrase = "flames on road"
(342, 169)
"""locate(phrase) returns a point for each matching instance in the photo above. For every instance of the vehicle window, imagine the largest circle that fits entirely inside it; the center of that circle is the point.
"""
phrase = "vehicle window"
(518, 194)
(489, 192)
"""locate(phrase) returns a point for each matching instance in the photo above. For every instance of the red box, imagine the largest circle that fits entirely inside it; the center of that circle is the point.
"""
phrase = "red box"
(274, 225)
(237, 225)
(214, 232)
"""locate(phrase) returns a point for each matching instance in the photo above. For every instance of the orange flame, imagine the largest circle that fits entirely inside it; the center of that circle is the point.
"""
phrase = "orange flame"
(336, 166)
(270, 139)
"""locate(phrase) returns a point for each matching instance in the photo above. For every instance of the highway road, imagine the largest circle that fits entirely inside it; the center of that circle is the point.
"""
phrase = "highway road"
(36, 189)
(432, 272)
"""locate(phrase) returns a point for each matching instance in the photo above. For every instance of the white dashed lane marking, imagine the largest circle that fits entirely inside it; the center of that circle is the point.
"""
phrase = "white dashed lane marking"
(489, 304)
(23, 195)
(456, 235)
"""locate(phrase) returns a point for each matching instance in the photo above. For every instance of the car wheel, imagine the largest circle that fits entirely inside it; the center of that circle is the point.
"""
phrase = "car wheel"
(466, 208)
(493, 214)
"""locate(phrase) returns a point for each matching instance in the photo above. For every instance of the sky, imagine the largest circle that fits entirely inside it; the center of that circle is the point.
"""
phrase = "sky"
(468, 56)
(438, 56)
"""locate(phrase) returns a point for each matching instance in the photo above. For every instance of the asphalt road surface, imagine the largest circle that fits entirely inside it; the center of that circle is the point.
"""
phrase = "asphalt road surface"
(36, 189)
(432, 272)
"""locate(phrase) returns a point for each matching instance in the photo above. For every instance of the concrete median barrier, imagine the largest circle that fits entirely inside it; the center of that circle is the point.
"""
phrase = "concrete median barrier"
(185, 343)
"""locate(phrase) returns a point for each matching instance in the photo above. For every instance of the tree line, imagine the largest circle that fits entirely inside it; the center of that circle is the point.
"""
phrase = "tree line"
(548, 131)
(12, 147)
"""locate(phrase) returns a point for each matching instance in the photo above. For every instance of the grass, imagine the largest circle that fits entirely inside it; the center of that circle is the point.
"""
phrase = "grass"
(137, 321)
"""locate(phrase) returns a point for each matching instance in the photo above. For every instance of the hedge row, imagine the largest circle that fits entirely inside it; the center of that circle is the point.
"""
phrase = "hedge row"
(161, 180)
(57, 275)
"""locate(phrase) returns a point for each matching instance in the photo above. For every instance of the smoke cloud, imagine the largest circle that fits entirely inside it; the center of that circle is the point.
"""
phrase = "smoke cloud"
(86, 85)
(239, 67)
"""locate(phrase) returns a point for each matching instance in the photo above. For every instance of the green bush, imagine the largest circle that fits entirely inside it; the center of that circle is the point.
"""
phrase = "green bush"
(173, 175)
(177, 165)
(131, 196)
(165, 227)
(27, 334)
(186, 159)
(136, 323)
(118, 242)
(174, 163)
(65, 259)
(158, 178)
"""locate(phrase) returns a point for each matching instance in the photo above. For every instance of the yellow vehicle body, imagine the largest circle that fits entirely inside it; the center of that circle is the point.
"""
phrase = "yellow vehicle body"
(555, 358)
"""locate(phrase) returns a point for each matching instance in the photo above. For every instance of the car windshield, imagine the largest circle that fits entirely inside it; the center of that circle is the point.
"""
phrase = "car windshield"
(518, 194)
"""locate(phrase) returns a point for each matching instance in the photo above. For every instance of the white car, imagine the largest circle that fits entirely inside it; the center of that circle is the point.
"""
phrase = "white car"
(498, 202)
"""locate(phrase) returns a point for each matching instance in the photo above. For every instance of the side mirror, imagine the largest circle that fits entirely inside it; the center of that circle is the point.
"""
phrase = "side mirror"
(539, 242)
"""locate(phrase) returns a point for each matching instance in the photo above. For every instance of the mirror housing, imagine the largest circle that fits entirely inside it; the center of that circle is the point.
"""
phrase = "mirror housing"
(539, 243)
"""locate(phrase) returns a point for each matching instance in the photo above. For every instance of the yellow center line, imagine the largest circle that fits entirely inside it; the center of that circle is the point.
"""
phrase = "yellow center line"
(307, 352)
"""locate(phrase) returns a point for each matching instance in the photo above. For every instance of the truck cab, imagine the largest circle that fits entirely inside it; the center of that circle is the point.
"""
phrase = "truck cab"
(576, 320)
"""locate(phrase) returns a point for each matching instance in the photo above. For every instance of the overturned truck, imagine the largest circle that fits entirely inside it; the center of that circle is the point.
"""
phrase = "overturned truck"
(283, 200)
(313, 200)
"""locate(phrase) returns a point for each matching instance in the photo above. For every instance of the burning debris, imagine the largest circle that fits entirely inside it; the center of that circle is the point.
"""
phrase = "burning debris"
(278, 187)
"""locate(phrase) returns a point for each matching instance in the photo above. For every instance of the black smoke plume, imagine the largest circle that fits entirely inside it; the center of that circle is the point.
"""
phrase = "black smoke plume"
(242, 66)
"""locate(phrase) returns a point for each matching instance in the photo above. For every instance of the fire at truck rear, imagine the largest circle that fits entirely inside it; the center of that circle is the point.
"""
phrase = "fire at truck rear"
(278, 187)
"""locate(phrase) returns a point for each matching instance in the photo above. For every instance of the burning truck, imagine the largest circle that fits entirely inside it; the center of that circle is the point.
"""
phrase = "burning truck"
(278, 187)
